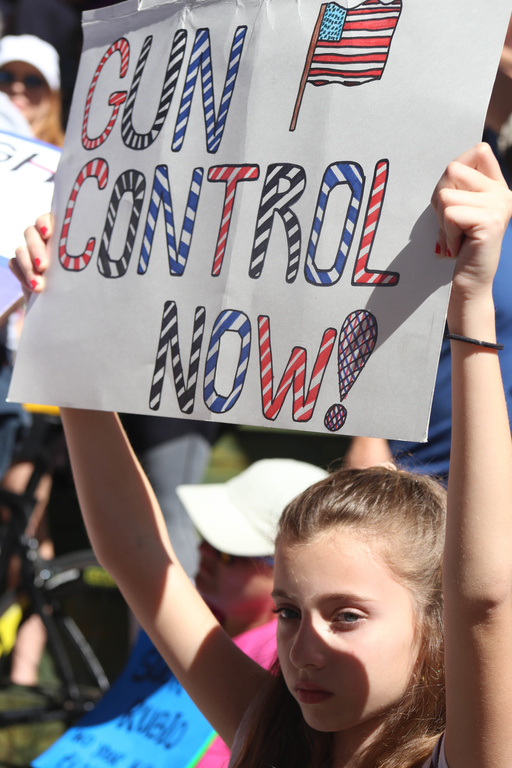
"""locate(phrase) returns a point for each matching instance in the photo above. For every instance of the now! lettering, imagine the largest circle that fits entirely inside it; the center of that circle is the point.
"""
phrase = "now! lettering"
(357, 340)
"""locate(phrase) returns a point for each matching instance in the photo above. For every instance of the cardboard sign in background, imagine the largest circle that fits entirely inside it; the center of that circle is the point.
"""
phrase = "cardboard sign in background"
(146, 720)
(243, 230)
(27, 173)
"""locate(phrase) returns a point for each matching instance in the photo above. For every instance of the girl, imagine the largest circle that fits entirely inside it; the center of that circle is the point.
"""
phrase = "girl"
(363, 663)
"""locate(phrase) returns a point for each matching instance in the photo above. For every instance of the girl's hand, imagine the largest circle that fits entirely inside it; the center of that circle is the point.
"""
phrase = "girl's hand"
(473, 205)
(31, 260)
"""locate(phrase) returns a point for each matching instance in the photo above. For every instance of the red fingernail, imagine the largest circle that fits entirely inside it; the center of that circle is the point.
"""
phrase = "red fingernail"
(34, 283)
(44, 231)
(437, 249)
(37, 262)
(448, 253)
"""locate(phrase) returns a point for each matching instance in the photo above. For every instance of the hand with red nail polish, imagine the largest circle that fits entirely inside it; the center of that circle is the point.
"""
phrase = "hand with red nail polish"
(473, 205)
(31, 261)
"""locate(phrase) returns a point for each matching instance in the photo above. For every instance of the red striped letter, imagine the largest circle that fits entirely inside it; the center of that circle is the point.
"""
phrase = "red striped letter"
(295, 372)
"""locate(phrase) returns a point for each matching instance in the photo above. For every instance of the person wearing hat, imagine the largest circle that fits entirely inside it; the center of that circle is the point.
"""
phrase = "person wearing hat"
(30, 77)
(30, 80)
(30, 106)
(236, 521)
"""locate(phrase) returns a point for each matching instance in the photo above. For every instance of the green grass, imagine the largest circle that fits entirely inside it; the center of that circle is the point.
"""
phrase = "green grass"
(19, 745)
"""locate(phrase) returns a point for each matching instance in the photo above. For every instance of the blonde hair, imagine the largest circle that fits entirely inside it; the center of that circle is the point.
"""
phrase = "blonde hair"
(407, 513)
(49, 128)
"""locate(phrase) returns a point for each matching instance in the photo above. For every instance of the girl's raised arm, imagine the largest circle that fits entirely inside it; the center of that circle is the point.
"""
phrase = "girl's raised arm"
(473, 205)
(130, 539)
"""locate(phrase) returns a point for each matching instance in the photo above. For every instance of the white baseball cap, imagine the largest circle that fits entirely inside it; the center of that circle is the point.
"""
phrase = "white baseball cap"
(240, 516)
(32, 50)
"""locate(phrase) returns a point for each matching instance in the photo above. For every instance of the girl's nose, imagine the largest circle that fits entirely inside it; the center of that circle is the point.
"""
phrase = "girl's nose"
(308, 648)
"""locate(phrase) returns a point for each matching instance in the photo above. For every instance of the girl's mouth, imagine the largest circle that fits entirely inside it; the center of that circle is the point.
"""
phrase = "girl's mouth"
(307, 694)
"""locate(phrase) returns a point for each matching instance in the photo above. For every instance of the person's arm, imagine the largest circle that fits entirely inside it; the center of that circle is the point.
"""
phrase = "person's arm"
(473, 205)
(366, 452)
(130, 539)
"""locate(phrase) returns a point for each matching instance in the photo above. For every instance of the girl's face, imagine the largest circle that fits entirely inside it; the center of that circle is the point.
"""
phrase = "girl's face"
(27, 89)
(346, 633)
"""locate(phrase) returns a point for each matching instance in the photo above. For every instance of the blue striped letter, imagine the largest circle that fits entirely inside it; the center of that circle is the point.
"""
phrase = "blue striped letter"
(161, 195)
(337, 173)
(201, 57)
(235, 322)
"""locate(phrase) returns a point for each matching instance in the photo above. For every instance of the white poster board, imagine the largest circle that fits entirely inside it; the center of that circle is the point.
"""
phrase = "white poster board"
(27, 174)
(243, 231)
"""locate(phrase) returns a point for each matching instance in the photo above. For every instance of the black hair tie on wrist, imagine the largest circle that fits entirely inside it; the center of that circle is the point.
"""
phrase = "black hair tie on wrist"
(476, 342)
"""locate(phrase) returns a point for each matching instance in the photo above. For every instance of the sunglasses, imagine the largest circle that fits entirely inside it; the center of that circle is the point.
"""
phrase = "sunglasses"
(31, 82)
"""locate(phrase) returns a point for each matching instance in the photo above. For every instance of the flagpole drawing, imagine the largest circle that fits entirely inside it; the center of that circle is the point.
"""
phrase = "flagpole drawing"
(307, 66)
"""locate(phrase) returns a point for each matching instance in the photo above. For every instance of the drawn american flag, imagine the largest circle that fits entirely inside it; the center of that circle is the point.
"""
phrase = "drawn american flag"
(353, 44)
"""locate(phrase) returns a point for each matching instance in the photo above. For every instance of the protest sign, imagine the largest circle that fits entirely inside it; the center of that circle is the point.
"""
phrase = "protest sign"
(146, 720)
(243, 231)
(27, 173)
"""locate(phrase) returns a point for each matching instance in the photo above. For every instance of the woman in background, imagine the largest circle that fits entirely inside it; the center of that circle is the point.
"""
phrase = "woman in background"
(30, 77)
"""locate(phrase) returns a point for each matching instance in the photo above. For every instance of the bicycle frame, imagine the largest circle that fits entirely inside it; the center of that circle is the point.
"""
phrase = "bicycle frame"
(35, 582)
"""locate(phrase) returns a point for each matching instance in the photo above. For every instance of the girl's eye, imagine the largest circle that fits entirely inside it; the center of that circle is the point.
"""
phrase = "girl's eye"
(286, 613)
(348, 617)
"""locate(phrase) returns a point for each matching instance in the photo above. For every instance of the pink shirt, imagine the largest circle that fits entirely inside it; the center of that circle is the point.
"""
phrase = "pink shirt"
(260, 645)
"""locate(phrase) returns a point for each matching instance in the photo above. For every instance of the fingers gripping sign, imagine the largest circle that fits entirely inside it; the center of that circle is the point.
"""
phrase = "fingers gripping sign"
(473, 205)
(31, 259)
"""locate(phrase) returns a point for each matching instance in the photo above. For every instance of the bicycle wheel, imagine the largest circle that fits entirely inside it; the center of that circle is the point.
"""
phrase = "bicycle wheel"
(85, 647)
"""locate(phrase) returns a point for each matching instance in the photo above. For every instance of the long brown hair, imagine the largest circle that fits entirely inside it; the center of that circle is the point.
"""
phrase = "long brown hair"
(49, 128)
(406, 512)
